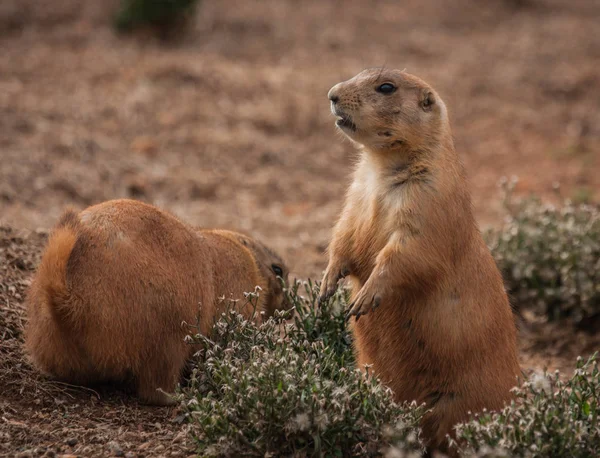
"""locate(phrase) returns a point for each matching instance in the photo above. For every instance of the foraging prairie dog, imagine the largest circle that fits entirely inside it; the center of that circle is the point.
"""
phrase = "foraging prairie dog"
(117, 281)
(431, 312)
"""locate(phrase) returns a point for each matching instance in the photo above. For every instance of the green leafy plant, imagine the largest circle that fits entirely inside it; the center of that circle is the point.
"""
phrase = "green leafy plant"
(548, 418)
(324, 322)
(165, 15)
(289, 386)
(550, 258)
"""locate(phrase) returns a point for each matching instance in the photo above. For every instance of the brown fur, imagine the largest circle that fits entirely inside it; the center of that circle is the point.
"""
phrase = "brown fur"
(443, 332)
(117, 281)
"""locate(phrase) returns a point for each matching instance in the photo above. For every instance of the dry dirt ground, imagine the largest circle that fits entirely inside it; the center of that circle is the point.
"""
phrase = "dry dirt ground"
(230, 127)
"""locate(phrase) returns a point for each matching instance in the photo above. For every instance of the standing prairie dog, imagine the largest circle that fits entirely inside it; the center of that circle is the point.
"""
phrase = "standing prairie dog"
(443, 332)
(118, 280)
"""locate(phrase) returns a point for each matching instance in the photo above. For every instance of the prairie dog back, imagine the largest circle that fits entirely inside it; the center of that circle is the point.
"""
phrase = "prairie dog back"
(117, 281)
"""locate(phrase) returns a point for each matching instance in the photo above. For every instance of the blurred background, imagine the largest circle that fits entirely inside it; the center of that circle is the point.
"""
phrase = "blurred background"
(218, 111)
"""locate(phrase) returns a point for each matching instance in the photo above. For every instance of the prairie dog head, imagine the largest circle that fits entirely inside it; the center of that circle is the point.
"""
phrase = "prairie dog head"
(389, 110)
(272, 269)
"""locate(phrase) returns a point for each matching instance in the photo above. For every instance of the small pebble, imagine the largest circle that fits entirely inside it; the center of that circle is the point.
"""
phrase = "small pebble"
(115, 448)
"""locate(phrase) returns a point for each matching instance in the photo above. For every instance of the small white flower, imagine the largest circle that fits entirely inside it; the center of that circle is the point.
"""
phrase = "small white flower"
(302, 421)
(540, 382)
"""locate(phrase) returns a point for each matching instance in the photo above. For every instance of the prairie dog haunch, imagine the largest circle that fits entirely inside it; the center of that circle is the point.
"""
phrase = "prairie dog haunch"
(117, 281)
(431, 313)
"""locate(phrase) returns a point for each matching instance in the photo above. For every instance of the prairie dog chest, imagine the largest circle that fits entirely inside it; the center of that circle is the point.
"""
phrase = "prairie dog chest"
(376, 212)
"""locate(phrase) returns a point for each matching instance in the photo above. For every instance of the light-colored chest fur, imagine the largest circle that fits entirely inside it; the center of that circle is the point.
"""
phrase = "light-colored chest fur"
(377, 209)
(372, 191)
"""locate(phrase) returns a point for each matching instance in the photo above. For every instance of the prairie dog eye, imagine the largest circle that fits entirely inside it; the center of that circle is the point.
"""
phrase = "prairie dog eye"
(386, 88)
(277, 270)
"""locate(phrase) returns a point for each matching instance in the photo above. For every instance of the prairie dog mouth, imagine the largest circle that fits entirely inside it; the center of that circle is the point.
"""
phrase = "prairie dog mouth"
(344, 121)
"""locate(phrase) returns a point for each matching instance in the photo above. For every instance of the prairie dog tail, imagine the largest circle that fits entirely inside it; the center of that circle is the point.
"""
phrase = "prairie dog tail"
(52, 272)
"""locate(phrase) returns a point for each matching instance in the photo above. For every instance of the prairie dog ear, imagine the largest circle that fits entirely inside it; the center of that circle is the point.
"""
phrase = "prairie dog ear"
(427, 100)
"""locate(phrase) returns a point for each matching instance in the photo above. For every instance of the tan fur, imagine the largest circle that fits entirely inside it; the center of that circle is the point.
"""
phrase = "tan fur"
(443, 332)
(117, 281)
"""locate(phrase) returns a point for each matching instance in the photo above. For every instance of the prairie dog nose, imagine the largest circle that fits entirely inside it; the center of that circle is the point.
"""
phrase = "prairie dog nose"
(332, 94)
